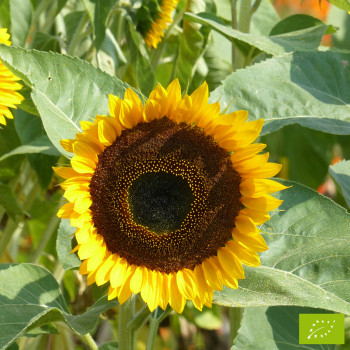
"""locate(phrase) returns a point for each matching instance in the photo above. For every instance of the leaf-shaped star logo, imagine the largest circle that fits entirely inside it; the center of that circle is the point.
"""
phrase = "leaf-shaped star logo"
(321, 329)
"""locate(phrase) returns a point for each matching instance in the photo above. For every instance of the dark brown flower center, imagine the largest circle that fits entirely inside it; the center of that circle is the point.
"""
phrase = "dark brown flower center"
(165, 196)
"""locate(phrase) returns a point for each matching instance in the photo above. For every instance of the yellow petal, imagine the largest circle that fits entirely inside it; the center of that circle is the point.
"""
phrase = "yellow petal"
(268, 170)
(65, 172)
(67, 145)
(245, 225)
(137, 279)
(118, 273)
(266, 203)
(255, 242)
(258, 187)
(247, 152)
(244, 254)
(108, 131)
(176, 299)
(230, 263)
(212, 274)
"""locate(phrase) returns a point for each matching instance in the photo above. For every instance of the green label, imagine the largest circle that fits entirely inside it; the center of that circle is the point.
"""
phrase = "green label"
(321, 329)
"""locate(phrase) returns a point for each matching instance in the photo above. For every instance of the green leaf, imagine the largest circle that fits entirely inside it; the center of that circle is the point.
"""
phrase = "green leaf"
(9, 201)
(308, 257)
(37, 146)
(65, 90)
(139, 59)
(191, 46)
(310, 89)
(21, 18)
(273, 328)
(342, 4)
(98, 11)
(299, 22)
(64, 244)
(301, 40)
(290, 143)
(30, 297)
(5, 20)
(112, 345)
(31, 131)
(46, 42)
(341, 175)
(8, 141)
(264, 19)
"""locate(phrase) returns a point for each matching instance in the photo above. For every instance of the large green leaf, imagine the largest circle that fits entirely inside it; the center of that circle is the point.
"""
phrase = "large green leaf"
(31, 297)
(341, 174)
(273, 328)
(308, 257)
(301, 40)
(308, 88)
(65, 90)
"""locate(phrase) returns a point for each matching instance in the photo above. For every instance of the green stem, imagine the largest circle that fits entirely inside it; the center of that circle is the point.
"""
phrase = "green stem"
(156, 317)
(234, 26)
(255, 7)
(236, 314)
(139, 319)
(89, 341)
(126, 334)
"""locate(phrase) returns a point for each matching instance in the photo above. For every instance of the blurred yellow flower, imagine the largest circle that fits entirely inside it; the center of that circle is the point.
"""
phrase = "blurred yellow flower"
(9, 97)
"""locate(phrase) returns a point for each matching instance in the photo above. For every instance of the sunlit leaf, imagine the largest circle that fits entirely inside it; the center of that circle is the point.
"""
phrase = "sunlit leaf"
(273, 328)
(306, 39)
(65, 90)
(308, 257)
(308, 88)
(30, 297)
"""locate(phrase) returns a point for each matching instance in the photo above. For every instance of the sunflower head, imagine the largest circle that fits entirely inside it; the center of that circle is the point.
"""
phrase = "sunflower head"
(9, 97)
(166, 196)
(152, 18)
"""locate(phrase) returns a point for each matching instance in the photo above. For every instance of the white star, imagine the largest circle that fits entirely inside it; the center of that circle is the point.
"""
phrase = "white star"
(313, 324)
(317, 321)
(322, 321)
(329, 331)
(321, 336)
(325, 334)
(331, 326)
(311, 330)
(327, 321)
(315, 335)
(333, 321)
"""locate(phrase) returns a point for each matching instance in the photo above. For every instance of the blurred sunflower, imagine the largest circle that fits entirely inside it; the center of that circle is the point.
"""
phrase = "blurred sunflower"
(166, 197)
(152, 18)
(9, 97)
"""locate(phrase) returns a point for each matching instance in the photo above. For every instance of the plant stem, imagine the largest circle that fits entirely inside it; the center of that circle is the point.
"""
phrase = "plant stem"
(156, 317)
(234, 26)
(126, 334)
(236, 314)
(89, 341)
(139, 319)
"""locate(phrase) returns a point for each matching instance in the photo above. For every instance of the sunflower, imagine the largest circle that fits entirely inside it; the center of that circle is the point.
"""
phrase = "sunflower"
(166, 196)
(9, 97)
(153, 18)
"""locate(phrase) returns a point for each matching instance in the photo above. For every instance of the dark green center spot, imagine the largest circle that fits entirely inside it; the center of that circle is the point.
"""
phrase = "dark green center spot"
(160, 201)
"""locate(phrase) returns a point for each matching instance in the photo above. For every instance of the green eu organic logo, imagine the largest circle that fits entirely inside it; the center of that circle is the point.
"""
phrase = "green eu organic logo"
(321, 329)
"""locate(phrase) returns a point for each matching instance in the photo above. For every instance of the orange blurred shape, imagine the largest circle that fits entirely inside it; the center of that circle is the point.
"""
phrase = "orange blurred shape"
(314, 8)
